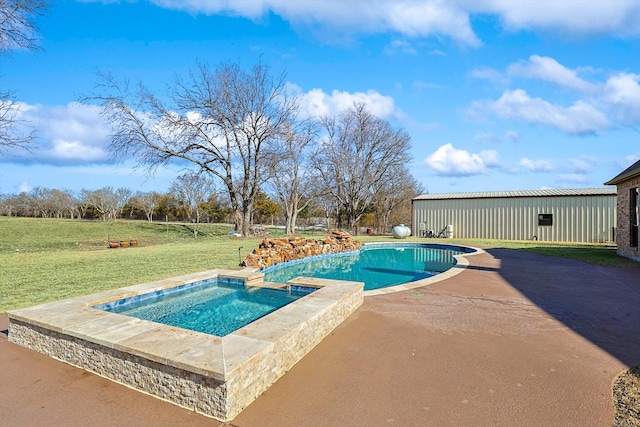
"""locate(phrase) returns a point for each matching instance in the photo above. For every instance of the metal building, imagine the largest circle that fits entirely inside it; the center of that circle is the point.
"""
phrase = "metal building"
(585, 215)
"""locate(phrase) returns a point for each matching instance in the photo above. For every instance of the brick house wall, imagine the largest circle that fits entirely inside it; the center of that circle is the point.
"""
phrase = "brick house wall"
(624, 223)
(625, 183)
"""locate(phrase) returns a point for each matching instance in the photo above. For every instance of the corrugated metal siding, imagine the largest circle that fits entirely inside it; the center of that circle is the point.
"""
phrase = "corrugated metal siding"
(584, 219)
(561, 192)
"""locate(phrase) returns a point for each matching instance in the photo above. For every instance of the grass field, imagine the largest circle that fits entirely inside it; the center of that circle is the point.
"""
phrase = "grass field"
(44, 260)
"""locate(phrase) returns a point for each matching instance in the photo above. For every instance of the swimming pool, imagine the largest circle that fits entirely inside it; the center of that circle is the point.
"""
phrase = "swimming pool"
(217, 376)
(214, 306)
(377, 265)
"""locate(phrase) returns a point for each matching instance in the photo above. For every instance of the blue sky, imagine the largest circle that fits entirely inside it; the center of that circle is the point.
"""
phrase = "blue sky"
(496, 94)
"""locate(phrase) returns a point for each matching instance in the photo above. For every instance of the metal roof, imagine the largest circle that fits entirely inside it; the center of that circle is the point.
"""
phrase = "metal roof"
(630, 172)
(604, 191)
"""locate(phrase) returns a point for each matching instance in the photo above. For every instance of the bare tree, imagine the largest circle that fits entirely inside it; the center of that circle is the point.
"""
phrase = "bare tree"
(328, 205)
(360, 154)
(84, 202)
(63, 203)
(105, 201)
(11, 135)
(41, 201)
(147, 202)
(53, 203)
(219, 120)
(393, 201)
(192, 190)
(291, 178)
(22, 205)
(17, 24)
(17, 31)
(123, 194)
(6, 207)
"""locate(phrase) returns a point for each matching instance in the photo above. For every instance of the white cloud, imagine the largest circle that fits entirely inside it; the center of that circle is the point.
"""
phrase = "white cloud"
(450, 161)
(582, 164)
(409, 18)
(67, 133)
(252, 9)
(318, 103)
(571, 17)
(580, 118)
(25, 187)
(425, 18)
(536, 165)
(74, 151)
(400, 46)
(548, 69)
(490, 74)
(622, 93)
(601, 104)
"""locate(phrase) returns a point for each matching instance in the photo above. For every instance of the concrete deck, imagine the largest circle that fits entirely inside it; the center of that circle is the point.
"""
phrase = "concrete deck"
(515, 339)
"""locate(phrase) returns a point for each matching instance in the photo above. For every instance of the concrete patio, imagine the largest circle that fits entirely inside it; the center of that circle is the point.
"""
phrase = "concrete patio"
(515, 339)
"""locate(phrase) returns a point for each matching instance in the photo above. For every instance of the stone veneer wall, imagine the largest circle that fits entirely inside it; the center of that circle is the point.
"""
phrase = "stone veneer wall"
(192, 391)
(202, 394)
(251, 382)
(623, 232)
(275, 251)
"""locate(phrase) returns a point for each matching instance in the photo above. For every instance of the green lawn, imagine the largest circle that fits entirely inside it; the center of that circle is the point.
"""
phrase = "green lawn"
(44, 260)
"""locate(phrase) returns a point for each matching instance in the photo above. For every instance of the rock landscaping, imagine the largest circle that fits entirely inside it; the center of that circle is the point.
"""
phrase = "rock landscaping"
(626, 398)
(275, 251)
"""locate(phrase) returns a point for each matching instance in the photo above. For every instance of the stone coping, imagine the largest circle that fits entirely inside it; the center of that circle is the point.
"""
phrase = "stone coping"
(461, 264)
(220, 358)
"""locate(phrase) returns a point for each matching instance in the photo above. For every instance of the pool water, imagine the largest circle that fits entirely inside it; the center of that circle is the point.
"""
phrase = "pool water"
(212, 308)
(378, 266)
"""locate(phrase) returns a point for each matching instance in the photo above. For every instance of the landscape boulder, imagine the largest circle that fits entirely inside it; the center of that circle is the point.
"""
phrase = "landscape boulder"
(274, 251)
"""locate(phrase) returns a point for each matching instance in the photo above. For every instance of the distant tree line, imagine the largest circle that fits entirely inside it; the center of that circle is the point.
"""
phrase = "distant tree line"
(108, 204)
(189, 201)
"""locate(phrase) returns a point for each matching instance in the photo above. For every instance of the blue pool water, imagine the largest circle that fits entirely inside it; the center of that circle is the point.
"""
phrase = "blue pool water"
(377, 265)
(212, 307)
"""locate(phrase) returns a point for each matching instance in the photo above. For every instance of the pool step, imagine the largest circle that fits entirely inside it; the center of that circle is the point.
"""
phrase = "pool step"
(272, 285)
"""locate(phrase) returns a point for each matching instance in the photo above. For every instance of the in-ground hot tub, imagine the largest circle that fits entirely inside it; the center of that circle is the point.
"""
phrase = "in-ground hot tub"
(212, 375)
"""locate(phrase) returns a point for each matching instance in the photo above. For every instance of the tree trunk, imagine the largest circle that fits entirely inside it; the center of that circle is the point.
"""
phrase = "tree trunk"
(353, 223)
(290, 220)
(294, 218)
(237, 220)
(246, 221)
